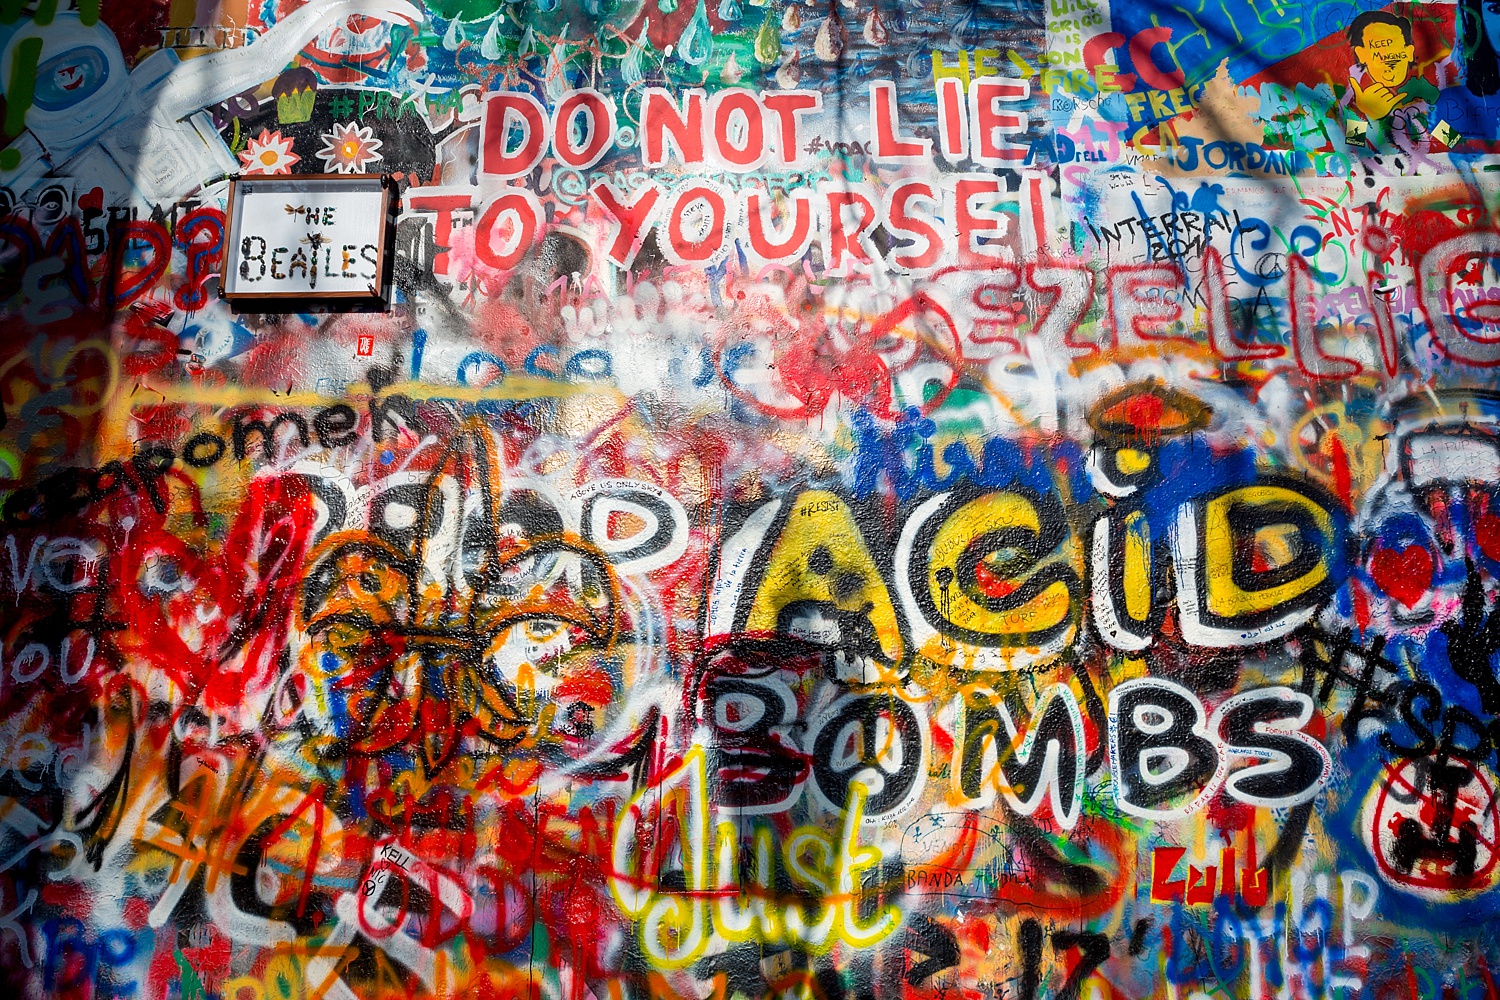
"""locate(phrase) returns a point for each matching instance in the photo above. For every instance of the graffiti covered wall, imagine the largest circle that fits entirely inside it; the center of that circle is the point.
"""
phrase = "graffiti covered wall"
(848, 499)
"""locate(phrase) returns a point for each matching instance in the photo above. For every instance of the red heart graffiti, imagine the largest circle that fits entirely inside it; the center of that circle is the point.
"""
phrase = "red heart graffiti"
(1405, 575)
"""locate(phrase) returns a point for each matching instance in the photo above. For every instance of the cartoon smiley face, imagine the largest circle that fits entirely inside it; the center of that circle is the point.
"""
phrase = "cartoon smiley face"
(70, 77)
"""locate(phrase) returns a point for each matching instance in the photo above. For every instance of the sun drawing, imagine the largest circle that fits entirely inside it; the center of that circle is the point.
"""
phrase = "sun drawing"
(348, 148)
(269, 153)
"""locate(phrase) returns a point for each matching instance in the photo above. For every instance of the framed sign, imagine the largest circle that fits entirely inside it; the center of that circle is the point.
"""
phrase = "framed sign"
(309, 238)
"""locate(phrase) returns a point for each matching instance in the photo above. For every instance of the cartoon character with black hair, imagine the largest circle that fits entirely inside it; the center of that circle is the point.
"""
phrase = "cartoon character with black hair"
(1474, 104)
(1382, 82)
(1480, 21)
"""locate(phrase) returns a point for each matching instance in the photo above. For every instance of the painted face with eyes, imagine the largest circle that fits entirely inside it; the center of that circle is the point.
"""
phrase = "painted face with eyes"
(1489, 11)
(1386, 54)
